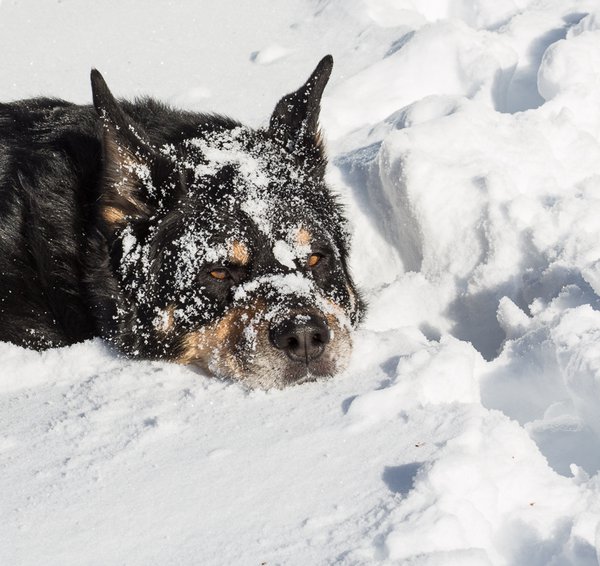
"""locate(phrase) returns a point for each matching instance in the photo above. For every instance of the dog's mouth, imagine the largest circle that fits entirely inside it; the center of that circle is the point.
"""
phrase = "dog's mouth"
(248, 346)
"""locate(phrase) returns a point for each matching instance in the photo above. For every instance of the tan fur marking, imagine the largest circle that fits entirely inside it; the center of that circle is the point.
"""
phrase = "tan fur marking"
(192, 348)
(213, 347)
(189, 349)
(239, 253)
(303, 237)
(112, 215)
(200, 346)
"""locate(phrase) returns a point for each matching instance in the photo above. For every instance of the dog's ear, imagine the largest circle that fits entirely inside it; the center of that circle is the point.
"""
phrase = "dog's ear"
(295, 120)
(126, 157)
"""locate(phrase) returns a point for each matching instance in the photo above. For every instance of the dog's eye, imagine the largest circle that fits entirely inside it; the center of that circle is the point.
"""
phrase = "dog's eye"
(313, 260)
(220, 274)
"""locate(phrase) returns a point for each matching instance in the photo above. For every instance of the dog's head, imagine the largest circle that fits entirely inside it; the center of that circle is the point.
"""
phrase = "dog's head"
(226, 248)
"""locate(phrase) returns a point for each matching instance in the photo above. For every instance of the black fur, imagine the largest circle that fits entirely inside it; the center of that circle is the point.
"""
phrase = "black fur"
(81, 185)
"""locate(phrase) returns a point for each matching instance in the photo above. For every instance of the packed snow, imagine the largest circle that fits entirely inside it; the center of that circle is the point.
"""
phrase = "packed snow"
(464, 139)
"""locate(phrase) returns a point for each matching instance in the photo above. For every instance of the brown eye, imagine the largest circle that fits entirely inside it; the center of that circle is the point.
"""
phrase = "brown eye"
(314, 259)
(219, 274)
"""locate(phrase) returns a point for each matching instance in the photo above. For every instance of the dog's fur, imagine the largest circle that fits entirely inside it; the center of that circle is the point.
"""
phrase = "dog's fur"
(175, 235)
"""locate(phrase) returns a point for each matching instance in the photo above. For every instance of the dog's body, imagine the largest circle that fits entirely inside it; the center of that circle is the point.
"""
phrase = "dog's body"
(175, 235)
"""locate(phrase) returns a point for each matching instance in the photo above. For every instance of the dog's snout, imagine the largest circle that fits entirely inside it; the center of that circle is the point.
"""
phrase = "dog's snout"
(303, 337)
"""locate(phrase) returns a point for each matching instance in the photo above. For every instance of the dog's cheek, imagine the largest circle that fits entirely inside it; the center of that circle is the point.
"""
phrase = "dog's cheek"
(210, 347)
(225, 347)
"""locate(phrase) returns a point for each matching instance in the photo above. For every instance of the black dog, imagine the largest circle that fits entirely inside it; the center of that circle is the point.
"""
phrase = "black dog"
(174, 235)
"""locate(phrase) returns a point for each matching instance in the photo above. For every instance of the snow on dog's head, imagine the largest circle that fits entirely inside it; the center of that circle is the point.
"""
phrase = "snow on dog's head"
(228, 250)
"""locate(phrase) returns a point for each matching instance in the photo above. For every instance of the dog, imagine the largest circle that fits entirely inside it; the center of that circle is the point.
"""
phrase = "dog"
(176, 235)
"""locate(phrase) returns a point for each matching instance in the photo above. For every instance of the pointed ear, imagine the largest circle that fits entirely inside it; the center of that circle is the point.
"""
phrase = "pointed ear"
(126, 159)
(295, 121)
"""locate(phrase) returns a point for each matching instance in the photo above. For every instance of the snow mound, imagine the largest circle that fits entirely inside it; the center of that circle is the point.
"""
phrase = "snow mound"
(451, 59)
(572, 63)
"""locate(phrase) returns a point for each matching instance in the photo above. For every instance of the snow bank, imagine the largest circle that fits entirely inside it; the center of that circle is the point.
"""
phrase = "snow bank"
(465, 138)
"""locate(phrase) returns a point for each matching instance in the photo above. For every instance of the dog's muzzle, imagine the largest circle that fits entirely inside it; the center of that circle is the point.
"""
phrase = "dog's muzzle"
(302, 337)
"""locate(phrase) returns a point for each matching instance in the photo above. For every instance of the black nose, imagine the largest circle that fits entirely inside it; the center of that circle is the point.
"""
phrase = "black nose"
(303, 337)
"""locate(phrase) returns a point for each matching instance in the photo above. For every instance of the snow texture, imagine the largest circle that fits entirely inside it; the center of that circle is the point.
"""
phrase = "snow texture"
(464, 138)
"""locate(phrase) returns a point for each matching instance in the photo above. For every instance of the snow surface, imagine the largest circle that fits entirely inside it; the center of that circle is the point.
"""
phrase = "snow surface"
(465, 139)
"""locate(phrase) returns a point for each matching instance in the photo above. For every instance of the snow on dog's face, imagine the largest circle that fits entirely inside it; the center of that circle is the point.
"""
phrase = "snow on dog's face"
(227, 248)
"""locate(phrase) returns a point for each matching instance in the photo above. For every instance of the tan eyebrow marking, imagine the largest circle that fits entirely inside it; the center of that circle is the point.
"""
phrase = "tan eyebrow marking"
(303, 237)
(239, 253)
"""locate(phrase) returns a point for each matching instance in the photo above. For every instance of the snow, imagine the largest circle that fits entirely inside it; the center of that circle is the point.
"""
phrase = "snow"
(284, 253)
(464, 138)
(269, 54)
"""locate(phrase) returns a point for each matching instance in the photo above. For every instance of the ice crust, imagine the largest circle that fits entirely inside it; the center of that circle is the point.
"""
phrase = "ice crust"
(465, 141)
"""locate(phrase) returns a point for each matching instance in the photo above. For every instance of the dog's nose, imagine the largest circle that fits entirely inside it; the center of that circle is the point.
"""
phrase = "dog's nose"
(303, 337)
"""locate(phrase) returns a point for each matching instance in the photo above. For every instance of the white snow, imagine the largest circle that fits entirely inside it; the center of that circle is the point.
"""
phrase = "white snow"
(284, 253)
(464, 138)
(269, 54)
